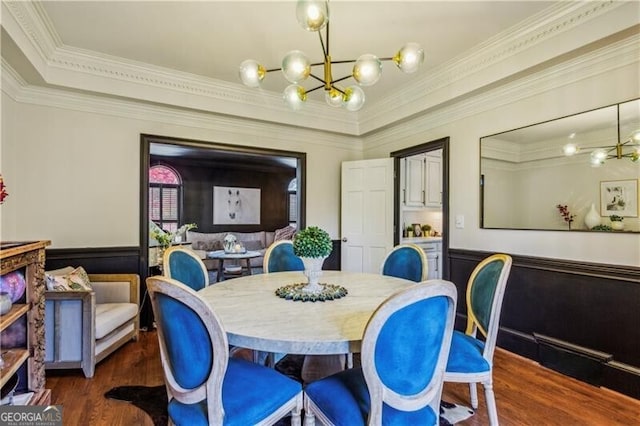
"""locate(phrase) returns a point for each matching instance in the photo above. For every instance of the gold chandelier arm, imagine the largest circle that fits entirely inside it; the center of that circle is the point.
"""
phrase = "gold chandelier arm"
(318, 78)
(316, 88)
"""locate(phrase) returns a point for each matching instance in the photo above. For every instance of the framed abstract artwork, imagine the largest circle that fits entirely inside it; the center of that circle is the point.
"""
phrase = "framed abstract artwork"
(619, 197)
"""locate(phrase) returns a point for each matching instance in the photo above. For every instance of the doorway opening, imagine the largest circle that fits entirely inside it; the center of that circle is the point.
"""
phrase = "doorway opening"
(421, 197)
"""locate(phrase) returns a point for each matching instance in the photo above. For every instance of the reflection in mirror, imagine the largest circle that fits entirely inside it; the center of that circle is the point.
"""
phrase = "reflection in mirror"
(573, 173)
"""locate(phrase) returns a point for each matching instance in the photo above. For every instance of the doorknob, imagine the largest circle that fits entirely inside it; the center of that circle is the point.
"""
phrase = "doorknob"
(344, 239)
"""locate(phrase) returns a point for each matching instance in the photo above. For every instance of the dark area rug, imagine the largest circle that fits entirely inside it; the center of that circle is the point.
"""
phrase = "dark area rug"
(153, 399)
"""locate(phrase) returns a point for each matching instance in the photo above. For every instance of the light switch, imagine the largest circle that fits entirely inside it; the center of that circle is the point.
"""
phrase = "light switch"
(459, 221)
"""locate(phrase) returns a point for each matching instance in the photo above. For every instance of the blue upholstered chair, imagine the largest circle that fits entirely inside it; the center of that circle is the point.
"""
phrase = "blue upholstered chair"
(471, 359)
(205, 386)
(406, 261)
(404, 354)
(185, 265)
(279, 257)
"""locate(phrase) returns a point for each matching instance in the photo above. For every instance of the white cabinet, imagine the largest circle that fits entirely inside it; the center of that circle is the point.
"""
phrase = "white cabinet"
(433, 180)
(414, 181)
(422, 184)
(433, 252)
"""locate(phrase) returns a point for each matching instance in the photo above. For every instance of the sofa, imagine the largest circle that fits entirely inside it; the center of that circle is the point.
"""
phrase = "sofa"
(202, 243)
(84, 326)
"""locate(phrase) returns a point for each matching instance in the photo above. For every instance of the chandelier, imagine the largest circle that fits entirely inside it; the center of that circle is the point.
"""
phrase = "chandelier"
(313, 15)
(629, 148)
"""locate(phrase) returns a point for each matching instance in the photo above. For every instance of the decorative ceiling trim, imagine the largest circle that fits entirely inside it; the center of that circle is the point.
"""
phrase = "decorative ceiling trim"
(509, 52)
(63, 65)
(251, 132)
(594, 63)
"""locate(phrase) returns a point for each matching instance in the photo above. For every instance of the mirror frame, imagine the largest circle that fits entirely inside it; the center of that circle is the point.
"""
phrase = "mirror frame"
(616, 129)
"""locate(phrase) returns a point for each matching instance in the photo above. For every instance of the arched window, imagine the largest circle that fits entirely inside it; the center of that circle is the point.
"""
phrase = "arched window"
(293, 202)
(165, 191)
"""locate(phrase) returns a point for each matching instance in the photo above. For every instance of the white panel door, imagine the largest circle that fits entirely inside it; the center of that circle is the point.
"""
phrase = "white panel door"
(366, 214)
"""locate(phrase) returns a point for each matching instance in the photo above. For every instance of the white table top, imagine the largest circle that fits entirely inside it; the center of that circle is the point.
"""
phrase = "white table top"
(221, 254)
(254, 317)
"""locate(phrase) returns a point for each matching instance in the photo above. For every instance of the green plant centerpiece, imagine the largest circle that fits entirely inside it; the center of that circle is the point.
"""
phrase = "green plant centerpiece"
(312, 245)
(312, 242)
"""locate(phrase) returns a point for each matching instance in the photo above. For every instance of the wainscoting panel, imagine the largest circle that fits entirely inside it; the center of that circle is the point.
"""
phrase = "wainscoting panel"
(580, 319)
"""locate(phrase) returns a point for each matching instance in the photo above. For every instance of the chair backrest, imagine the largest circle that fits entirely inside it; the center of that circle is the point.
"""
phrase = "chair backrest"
(194, 362)
(405, 349)
(279, 257)
(485, 292)
(184, 265)
(406, 261)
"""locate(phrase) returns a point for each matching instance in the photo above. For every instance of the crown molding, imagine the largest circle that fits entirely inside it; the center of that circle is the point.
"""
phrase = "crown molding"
(61, 65)
(65, 66)
(227, 128)
(597, 62)
(562, 28)
(506, 54)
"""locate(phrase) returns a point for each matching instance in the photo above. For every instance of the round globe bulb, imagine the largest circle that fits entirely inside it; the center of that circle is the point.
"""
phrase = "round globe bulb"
(251, 73)
(570, 149)
(333, 97)
(597, 157)
(353, 98)
(296, 66)
(367, 70)
(312, 15)
(294, 96)
(409, 57)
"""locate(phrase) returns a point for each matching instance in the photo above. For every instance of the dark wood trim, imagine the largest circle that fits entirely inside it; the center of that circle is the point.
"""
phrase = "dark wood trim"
(145, 147)
(434, 145)
(96, 260)
(578, 318)
(595, 270)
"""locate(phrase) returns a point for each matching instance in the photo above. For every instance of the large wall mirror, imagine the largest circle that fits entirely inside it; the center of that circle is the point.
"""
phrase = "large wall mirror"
(577, 173)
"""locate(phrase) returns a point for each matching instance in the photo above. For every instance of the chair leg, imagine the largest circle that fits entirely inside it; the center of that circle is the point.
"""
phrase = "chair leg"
(473, 395)
(296, 413)
(349, 360)
(490, 397)
(309, 416)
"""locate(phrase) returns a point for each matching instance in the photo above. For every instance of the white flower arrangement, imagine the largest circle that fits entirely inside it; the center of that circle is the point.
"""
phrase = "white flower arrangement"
(166, 239)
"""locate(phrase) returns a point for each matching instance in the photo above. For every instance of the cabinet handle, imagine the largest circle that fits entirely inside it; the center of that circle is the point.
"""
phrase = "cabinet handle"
(404, 196)
(437, 258)
(423, 197)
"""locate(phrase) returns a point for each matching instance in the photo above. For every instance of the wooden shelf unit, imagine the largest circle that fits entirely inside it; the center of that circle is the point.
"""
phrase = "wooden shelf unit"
(30, 256)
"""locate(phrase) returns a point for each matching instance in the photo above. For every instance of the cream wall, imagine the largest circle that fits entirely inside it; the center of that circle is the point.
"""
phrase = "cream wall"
(73, 175)
(579, 85)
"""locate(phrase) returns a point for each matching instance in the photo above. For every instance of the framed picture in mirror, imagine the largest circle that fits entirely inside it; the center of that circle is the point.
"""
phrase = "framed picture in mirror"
(619, 197)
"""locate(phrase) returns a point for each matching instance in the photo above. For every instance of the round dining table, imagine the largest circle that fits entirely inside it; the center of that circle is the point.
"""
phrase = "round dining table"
(255, 317)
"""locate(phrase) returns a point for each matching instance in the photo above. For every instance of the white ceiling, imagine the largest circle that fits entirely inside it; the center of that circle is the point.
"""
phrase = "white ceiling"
(186, 54)
(211, 38)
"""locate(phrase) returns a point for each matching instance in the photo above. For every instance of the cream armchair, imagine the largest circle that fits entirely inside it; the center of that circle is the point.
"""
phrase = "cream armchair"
(84, 327)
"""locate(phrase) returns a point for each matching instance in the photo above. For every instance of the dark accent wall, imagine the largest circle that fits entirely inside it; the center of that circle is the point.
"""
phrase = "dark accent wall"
(581, 319)
(199, 178)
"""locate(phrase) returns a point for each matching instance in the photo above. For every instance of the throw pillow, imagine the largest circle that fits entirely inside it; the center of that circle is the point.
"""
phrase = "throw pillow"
(285, 233)
(76, 280)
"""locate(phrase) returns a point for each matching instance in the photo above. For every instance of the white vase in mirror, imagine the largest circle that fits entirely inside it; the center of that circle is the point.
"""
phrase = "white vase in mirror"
(592, 218)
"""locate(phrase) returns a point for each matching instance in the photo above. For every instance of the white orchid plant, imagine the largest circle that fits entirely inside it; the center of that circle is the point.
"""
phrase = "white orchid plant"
(166, 239)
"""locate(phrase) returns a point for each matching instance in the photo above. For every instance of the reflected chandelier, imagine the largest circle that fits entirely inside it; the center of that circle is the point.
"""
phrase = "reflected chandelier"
(313, 15)
(629, 148)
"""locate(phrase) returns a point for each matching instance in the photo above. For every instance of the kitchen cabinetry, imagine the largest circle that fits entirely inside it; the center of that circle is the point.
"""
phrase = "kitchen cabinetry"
(26, 320)
(422, 180)
(433, 252)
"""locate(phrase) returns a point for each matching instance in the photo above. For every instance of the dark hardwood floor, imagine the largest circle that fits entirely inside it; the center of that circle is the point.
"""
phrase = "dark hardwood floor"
(526, 393)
